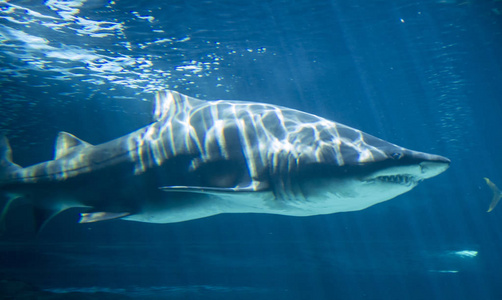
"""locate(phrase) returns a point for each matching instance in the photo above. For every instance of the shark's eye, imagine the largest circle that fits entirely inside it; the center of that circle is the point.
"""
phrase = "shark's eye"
(396, 155)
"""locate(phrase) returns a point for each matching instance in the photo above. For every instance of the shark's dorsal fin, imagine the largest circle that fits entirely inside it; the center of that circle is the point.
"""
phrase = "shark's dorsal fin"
(66, 143)
(101, 216)
(167, 103)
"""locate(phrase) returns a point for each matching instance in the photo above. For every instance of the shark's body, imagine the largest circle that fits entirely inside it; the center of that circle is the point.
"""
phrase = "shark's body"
(202, 158)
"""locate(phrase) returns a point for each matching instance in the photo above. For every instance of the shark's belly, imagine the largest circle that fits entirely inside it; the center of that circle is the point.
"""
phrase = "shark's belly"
(190, 206)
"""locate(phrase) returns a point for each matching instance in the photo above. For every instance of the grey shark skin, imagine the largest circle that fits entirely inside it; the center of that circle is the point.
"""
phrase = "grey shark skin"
(202, 158)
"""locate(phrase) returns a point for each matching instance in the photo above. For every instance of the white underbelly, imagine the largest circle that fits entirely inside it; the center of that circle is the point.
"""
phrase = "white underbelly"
(190, 206)
(196, 206)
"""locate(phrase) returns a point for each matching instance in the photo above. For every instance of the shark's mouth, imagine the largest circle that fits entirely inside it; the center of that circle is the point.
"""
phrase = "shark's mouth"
(407, 180)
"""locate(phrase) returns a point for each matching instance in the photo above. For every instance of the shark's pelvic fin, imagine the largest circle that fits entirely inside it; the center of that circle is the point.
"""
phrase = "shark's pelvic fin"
(101, 216)
(497, 194)
(67, 143)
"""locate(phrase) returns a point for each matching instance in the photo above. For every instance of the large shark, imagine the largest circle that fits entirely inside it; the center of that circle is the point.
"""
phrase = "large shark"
(203, 158)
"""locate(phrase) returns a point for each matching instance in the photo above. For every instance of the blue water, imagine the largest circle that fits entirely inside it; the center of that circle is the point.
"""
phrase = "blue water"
(423, 74)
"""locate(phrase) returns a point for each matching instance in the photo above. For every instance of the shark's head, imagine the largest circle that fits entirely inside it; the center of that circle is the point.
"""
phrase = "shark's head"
(367, 171)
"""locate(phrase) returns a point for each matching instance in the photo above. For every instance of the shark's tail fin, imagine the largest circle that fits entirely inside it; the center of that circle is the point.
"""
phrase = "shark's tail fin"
(497, 194)
(6, 168)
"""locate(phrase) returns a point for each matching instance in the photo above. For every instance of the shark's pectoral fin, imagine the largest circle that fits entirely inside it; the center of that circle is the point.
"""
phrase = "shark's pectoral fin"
(257, 186)
(202, 190)
(101, 216)
(67, 143)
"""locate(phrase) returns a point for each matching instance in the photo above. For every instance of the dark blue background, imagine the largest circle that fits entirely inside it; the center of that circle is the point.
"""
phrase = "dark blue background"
(425, 75)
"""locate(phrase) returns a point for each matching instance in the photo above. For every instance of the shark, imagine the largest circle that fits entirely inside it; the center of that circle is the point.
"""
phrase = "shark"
(203, 158)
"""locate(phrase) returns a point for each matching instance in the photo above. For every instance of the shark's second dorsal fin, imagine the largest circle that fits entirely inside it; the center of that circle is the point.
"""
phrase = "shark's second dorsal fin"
(167, 103)
(66, 143)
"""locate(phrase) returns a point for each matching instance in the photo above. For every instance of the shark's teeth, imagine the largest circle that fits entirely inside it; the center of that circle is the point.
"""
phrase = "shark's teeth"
(399, 179)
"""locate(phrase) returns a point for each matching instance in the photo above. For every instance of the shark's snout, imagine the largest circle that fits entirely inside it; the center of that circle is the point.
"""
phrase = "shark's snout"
(433, 168)
(430, 164)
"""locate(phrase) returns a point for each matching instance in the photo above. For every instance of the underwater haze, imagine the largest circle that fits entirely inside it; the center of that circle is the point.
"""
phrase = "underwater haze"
(425, 75)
